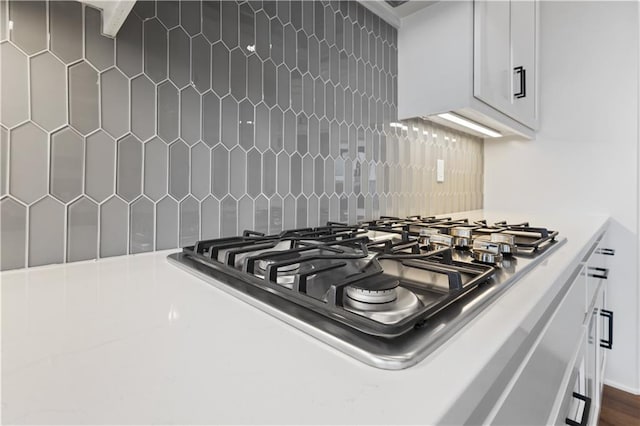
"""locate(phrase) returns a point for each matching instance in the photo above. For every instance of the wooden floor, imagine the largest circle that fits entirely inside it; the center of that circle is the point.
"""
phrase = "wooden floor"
(619, 408)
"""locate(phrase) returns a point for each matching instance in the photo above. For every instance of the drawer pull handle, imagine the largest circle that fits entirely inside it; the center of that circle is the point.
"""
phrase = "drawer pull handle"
(523, 82)
(602, 273)
(607, 343)
(606, 251)
(585, 412)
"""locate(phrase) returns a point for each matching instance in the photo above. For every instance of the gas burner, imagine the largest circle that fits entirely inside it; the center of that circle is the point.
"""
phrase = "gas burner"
(462, 236)
(286, 273)
(506, 242)
(387, 294)
(385, 302)
(486, 252)
(438, 241)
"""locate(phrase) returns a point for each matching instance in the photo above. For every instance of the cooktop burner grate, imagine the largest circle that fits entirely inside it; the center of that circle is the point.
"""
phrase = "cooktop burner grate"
(319, 267)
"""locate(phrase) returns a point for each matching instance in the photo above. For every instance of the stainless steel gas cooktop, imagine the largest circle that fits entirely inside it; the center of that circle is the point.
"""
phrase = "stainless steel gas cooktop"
(386, 292)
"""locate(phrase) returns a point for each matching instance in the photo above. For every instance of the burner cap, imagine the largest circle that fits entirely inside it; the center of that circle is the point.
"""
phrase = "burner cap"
(374, 291)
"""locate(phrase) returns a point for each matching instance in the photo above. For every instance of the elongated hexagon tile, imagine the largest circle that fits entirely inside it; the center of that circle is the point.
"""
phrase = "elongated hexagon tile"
(65, 29)
(284, 14)
(142, 230)
(277, 42)
(129, 168)
(113, 227)
(261, 208)
(247, 29)
(269, 170)
(229, 217)
(29, 30)
(4, 161)
(145, 9)
(28, 163)
(220, 70)
(67, 161)
(284, 87)
(189, 221)
(168, 11)
(168, 109)
(210, 118)
(263, 41)
(219, 171)
(301, 212)
(179, 170)
(83, 98)
(283, 173)
(238, 74)
(14, 79)
(210, 218)
(237, 172)
(289, 212)
(290, 132)
(276, 129)
(143, 104)
(290, 41)
(166, 224)
(307, 17)
(296, 14)
(313, 209)
(211, 24)
(99, 49)
(254, 172)
(302, 135)
(46, 239)
(229, 121)
(296, 175)
(156, 163)
(179, 57)
(82, 230)
(190, 113)
(296, 91)
(129, 46)
(269, 83)
(14, 234)
(254, 79)
(190, 18)
(48, 91)
(230, 23)
(262, 127)
(275, 215)
(307, 175)
(318, 176)
(245, 214)
(114, 87)
(100, 167)
(302, 55)
(246, 122)
(201, 63)
(200, 168)
(155, 50)
(329, 176)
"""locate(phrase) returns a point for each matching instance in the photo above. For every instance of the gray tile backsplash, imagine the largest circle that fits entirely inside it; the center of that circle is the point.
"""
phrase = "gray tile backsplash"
(205, 118)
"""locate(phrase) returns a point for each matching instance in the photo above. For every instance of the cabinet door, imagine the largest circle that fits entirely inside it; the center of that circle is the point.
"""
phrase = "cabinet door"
(492, 53)
(523, 48)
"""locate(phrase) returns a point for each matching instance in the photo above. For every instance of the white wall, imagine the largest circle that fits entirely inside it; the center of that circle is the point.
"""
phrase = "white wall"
(585, 157)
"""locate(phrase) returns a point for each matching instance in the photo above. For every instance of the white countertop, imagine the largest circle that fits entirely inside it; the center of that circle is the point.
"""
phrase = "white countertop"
(136, 340)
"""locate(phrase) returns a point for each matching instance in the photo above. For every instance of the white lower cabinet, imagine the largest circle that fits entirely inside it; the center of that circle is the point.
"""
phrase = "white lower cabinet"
(560, 380)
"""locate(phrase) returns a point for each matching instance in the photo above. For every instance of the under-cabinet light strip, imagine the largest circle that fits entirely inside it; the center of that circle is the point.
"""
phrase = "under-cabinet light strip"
(470, 124)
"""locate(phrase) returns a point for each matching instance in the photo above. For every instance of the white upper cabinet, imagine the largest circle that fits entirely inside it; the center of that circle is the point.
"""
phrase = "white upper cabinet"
(504, 57)
(476, 59)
